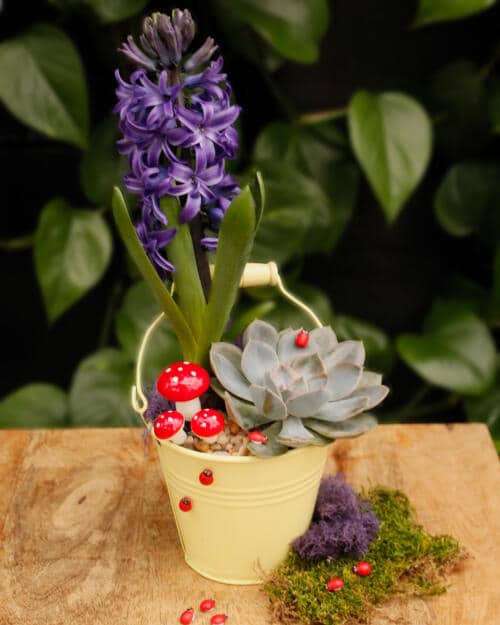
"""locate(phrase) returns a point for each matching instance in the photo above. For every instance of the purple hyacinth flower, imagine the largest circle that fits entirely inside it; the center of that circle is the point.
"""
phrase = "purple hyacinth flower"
(177, 122)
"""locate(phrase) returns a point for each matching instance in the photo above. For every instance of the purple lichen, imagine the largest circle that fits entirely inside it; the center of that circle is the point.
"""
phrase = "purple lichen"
(343, 523)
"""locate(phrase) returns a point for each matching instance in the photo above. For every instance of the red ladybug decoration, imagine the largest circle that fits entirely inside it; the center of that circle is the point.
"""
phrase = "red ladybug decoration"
(257, 437)
(185, 504)
(218, 619)
(207, 605)
(302, 339)
(362, 569)
(336, 583)
(187, 617)
(206, 477)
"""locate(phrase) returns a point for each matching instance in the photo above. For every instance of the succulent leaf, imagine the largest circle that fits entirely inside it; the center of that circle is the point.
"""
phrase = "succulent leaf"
(369, 378)
(257, 359)
(288, 351)
(243, 413)
(307, 404)
(340, 410)
(350, 352)
(225, 359)
(325, 340)
(268, 403)
(373, 395)
(309, 366)
(261, 331)
(294, 434)
(346, 429)
(342, 380)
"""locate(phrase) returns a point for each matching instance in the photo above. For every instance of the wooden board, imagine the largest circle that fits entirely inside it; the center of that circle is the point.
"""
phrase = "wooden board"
(87, 536)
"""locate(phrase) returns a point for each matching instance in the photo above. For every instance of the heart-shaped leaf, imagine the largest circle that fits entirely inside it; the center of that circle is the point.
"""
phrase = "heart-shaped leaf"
(42, 83)
(34, 406)
(455, 351)
(391, 135)
(72, 252)
(430, 11)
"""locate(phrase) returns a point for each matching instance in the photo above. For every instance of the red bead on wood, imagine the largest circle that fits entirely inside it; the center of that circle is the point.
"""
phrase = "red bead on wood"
(207, 605)
(206, 477)
(362, 569)
(302, 339)
(185, 504)
(218, 619)
(336, 583)
(257, 437)
(187, 617)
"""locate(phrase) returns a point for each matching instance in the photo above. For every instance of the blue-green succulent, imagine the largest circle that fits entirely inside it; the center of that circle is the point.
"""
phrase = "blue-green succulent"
(295, 395)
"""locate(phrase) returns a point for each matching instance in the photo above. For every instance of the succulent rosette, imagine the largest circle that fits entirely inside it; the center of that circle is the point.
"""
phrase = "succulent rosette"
(297, 396)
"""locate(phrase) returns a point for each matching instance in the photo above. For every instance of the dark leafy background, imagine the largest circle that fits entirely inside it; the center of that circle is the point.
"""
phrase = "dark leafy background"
(376, 126)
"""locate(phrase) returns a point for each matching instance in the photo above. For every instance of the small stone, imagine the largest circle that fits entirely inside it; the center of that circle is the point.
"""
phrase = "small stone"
(234, 428)
(223, 439)
(201, 446)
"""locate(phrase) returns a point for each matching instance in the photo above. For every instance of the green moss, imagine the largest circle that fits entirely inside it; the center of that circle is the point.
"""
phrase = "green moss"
(405, 561)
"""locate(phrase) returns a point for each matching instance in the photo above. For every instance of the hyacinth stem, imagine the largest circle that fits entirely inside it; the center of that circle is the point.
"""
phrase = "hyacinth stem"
(201, 257)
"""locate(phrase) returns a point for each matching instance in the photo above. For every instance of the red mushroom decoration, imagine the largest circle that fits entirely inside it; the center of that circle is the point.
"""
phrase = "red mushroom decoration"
(184, 383)
(207, 424)
(169, 426)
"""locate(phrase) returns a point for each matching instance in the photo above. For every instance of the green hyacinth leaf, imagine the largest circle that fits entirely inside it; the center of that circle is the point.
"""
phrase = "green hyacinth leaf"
(35, 405)
(244, 414)
(307, 404)
(268, 403)
(391, 135)
(456, 350)
(72, 252)
(342, 380)
(341, 410)
(258, 358)
(347, 352)
(430, 11)
(261, 331)
(42, 83)
(345, 429)
(294, 434)
(225, 359)
(272, 447)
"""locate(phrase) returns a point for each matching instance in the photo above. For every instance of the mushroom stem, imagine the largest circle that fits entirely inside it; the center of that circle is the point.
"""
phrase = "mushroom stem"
(188, 408)
(179, 438)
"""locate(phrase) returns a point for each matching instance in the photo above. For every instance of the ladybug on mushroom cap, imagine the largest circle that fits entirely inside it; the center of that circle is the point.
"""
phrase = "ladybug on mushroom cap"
(184, 383)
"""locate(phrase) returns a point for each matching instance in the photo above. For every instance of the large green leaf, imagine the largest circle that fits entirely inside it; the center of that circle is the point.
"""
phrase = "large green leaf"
(285, 314)
(294, 28)
(102, 167)
(378, 346)
(494, 107)
(391, 136)
(186, 277)
(136, 313)
(42, 83)
(468, 191)
(486, 409)
(148, 272)
(34, 406)
(430, 11)
(72, 251)
(235, 243)
(100, 390)
(455, 350)
(458, 103)
(116, 10)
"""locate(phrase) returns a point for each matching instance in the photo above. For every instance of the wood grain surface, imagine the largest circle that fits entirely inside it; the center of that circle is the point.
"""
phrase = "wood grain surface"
(87, 536)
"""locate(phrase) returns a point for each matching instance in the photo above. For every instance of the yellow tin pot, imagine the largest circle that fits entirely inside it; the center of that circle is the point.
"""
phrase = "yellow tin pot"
(240, 526)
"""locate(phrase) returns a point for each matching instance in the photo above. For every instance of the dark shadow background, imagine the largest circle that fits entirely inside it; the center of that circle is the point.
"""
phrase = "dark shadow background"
(388, 275)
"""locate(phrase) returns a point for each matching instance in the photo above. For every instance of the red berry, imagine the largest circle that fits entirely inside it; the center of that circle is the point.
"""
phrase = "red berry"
(207, 605)
(206, 477)
(185, 504)
(302, 339)
(362, 569)
(336, 583)
(218, 619)
(187, 617)
(257, 437)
